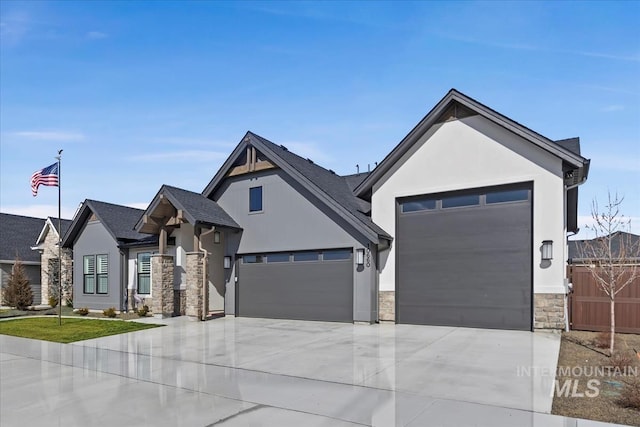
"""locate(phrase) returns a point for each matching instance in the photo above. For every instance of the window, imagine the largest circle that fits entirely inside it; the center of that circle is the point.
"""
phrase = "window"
(418, 205)
(252, 259)
(144, 273)
(102, 273)
(95, 274)
(336, 255)
(458, 201)
(305, 256)
(507, 196)
(255, 199)
(89, 271)
(278, 258)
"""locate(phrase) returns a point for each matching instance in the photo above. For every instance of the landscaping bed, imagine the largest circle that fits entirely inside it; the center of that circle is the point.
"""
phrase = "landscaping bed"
(598, 387)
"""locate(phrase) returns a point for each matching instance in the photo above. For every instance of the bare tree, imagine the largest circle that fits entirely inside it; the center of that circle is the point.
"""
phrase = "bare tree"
(612, 256)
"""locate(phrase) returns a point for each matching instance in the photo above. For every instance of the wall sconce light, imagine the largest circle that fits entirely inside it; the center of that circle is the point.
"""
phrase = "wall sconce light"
(547, 250)
(360, 256)
(216, 237)
(227, 262)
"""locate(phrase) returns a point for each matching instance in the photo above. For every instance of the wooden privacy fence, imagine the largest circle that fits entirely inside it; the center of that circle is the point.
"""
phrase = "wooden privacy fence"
(589, 305)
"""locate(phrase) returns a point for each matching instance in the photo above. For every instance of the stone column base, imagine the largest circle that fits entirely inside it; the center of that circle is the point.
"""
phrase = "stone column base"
(548, 310)
(194, 295)
(387, 306)
(162, 285)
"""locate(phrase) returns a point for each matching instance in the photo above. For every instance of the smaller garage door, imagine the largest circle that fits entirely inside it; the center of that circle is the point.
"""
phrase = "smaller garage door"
(308, 285)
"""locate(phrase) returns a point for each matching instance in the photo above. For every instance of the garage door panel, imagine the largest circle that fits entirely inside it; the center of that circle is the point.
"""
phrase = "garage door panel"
(297, 290)
(466, 266)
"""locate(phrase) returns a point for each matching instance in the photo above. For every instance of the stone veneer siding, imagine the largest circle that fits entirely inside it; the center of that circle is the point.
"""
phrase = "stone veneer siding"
(162, 285)
(49, 252)
(548, 311)
(387, 306)
(179, 302)
(195, 299)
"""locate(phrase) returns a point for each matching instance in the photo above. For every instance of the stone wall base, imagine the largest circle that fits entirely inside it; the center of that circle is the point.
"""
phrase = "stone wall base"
(179, 302)
(387, 306)
(548, 311)
(162, 285)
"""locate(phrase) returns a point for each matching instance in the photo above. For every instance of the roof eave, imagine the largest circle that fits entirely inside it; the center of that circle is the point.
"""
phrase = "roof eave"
(429, 120)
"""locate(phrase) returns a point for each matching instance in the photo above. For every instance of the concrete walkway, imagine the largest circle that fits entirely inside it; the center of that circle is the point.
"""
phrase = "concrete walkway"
(253, 372)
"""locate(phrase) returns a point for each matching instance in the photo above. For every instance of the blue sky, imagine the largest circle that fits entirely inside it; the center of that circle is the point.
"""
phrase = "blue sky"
(144, 93)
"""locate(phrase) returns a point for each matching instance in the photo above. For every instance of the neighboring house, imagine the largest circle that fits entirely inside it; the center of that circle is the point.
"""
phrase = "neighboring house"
(17, 234)
(99, 235)
(590, 306)
(47, 245)
(455, 227)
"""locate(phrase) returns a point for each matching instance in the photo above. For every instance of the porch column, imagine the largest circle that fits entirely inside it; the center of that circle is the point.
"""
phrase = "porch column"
(195, 277)
(162, 285)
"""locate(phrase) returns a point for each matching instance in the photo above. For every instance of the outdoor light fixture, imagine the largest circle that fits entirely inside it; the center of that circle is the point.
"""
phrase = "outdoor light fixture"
(216, 237)
(547, 250)
(360, 256)
(227, 262)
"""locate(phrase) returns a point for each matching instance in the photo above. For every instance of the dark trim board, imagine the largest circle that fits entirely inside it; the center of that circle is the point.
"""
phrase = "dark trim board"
(466, 266)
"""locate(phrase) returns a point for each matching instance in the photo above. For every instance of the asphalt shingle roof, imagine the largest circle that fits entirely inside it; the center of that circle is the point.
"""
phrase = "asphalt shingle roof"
(118, 219)
(64, 223)
(335, 186)
(202, 209)
(571, 144)
(17, 235)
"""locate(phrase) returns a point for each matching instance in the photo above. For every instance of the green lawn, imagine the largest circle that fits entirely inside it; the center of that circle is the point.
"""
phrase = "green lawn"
(47, 328)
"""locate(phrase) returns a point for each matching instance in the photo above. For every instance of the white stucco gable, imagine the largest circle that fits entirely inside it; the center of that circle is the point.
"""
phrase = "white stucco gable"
(474, 152)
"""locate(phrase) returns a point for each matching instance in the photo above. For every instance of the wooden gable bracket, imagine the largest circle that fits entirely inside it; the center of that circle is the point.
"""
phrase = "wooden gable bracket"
(252, 164)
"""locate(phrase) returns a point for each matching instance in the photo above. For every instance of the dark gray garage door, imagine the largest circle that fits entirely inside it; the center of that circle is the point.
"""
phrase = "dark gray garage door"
(464, 259)
(312, 285)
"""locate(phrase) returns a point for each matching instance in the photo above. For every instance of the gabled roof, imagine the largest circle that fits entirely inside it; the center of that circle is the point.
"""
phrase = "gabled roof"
(572, 160)
(17, 234)
(331, 189)
(51, 223)
(196, 208)
(117, 219)
(578, 249)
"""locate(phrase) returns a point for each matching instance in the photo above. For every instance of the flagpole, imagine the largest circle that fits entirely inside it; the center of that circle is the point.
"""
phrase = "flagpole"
(59, 157)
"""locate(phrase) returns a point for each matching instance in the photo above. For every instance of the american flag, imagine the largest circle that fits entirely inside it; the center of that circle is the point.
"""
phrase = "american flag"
(47, 176)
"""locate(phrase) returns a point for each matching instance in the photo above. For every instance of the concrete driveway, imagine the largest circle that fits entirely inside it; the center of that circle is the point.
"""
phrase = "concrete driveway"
(253, 372)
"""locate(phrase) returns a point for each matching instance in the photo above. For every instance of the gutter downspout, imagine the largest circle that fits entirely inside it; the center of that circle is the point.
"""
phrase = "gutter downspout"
(568, 288)
(204, 271)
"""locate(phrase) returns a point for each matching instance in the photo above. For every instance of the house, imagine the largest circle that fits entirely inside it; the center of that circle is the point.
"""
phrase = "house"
(47, 246)
(464, 223)
(589, 306)
(100, 236)
(18, 234)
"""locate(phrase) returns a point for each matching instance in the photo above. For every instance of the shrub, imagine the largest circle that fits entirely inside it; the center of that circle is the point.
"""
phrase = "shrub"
(620, 361)
(602, 340)
(630, 395)
(53, 302)
(109, 312)
(69, 303)
(17, 292)
(83, 311)
(143, 311)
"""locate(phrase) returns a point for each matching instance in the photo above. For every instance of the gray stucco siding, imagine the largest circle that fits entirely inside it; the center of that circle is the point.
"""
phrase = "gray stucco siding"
(292, 219)
(94, 239)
